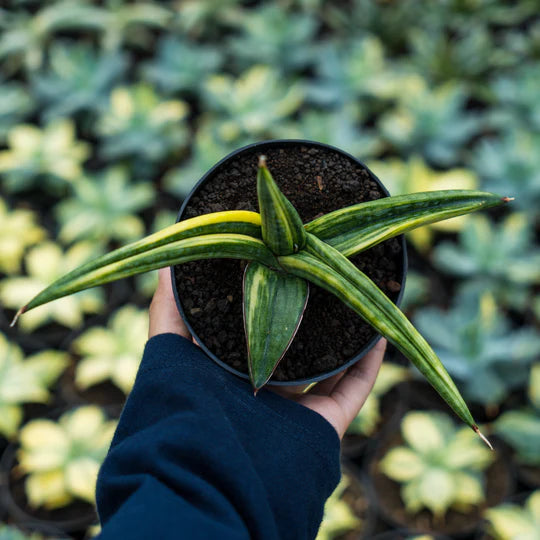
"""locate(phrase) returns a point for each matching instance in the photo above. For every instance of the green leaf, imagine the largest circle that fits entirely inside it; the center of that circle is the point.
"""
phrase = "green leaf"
(114, 352)
(436, 490)
(358, 292)
(213, 246)
(402, 464)
(62, 458)
(360, 226)
(238, 222)
(241, 222)
(422, 431)
(274, 303)
(46, 263)
(282, 228)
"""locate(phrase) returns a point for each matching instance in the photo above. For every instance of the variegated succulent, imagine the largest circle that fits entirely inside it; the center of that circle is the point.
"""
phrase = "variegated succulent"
(284, 255)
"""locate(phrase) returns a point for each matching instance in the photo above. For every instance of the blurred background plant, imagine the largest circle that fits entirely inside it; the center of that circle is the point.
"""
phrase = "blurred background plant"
(486, 356)
(508, 521)
(61, 458)
(111, 110)
(439, 467)
(25, 380)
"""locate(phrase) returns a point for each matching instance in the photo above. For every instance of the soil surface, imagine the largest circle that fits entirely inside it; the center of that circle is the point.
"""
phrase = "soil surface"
(317, 181)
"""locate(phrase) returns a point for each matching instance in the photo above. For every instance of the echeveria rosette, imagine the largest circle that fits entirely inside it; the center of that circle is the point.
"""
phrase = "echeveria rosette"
(291, 253)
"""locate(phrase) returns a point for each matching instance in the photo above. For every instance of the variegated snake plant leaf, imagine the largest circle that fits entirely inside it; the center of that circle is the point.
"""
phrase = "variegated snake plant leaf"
(284, 255)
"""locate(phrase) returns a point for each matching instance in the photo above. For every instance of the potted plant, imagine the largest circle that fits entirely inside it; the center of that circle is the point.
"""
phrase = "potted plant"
(284, 255)
(435, 476)
(51, 475)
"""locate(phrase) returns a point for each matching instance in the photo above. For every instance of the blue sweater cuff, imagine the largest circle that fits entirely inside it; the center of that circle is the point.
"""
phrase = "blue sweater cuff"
(263, 464)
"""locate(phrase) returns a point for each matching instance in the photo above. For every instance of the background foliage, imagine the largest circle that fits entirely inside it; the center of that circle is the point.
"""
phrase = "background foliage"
(111, 110)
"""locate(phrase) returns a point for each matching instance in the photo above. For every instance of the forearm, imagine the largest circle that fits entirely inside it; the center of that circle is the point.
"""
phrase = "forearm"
(199, 452)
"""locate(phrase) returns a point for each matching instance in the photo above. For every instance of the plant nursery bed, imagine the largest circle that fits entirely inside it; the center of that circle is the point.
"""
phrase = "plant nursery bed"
(316, 180)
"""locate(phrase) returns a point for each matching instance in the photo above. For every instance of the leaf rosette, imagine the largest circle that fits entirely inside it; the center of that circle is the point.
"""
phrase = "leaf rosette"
(284, 254)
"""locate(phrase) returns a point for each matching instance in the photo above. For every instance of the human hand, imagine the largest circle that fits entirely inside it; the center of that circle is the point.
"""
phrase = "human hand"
(337, 399)
(163, 314)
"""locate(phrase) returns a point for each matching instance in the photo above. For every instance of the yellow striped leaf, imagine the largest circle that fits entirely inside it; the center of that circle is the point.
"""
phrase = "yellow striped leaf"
(211, 246)
(326, 267)
(358, 227)
(274, 303)
(282, 228)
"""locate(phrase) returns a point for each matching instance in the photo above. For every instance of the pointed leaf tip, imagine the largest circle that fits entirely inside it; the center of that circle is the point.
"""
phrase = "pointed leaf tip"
(507, 199)
(281, 226)
(484, 439)
(17, 315)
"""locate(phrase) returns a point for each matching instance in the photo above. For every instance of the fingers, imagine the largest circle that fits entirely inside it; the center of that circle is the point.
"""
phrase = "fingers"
(352, 390)
(163, 313)
(325, 387)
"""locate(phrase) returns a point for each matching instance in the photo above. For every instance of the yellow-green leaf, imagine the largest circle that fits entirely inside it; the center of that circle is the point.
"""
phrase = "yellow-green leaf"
(274, 303)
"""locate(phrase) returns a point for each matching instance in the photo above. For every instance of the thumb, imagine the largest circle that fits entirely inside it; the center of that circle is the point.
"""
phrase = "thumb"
(163, 313)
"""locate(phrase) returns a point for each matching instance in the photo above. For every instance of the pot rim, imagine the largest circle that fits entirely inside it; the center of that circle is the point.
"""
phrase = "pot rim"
(268, 144)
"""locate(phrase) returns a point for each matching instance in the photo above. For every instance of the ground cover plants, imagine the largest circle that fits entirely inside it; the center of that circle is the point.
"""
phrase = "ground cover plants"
(112, 110)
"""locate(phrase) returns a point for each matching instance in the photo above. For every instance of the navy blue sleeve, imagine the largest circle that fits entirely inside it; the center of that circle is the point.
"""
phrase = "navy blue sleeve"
(197, 455)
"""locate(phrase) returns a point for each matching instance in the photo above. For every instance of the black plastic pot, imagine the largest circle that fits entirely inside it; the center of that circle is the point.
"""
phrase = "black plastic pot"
(263, 148)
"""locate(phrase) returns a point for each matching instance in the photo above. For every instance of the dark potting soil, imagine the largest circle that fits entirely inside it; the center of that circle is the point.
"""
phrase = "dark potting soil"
(317, 181)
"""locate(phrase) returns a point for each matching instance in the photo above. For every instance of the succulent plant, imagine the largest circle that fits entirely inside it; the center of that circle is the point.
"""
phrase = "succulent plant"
(274, 36)
(181, 65)
(468, 54)
(46, 262)
(338, 517)
(61, 459)
(131, 23)
(288, 256)
(141, 125)
(47, 158)
(510, 521)
(518, 94)
(103, 208)
(78, 79)
(475, 341)
(24, 35)
(431, 122)
(207, 149)
(338, 127)
(15, 104)
(511, 161)
(112, 353)
(253, 105)
(24, 380)
(205, 16)
(521, 428)
(18, 230)
(497, 257)
(439, 467)
(360, 70)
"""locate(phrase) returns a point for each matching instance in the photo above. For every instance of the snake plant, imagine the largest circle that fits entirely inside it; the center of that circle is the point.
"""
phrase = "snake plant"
(284, 255)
